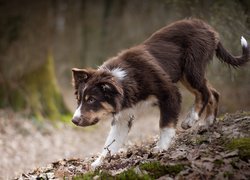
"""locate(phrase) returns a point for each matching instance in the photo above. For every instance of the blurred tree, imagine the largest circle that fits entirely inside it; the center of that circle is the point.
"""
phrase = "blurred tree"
(27, 77)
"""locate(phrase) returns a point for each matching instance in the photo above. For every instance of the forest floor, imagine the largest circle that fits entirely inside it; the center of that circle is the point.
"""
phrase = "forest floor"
(222, 152)
(26, 143)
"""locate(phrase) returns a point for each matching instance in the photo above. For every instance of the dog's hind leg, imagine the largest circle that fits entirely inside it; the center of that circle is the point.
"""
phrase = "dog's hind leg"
(120, 128)
(202, 96)
(212, 107)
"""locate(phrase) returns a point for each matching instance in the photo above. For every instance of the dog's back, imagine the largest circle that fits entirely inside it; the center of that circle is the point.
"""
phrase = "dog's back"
(182, 45)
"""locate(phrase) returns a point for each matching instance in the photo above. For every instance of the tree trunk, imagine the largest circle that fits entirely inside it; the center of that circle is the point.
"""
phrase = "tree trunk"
(37, 92)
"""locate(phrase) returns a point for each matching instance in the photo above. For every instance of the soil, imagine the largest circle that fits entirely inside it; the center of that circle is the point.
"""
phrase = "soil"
(220, 152)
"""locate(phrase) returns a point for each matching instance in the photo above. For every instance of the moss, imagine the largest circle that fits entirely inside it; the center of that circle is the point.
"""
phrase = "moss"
(156, 170)
(151, 170)
(131, 174)
(94, 174)
(37, 92)
(218, 162)
(44, 98)
(17, 101)
(221, 117)
(200, 140)
(243, 145)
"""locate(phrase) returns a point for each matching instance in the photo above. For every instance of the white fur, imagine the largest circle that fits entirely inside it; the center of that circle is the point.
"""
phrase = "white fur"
(118, 73)
(116, 138)
(119, 131)
(195, 116)
(98, 161)
(118, 134)
(77, 113)
(210, 120)
(243, 42)
(191, 119)
(166, 137)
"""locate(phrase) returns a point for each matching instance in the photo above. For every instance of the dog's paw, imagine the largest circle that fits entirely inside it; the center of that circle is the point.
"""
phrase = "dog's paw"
(97, 163)
(190, 120)
(156, 149)
(160, 147)
(210, 120)
(166, 138)
(203, 126)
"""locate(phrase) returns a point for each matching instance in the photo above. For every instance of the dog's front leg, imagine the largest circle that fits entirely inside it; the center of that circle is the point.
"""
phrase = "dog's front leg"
(116, 138)
(169, 104)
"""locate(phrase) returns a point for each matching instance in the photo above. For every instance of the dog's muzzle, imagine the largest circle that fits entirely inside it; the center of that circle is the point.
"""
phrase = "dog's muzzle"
(84, 122)
(75, 121)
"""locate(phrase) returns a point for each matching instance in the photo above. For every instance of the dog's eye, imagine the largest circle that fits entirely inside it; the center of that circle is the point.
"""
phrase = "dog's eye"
(91, 100)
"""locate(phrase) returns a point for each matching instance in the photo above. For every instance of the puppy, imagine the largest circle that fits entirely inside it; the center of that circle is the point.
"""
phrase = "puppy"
(148, 73)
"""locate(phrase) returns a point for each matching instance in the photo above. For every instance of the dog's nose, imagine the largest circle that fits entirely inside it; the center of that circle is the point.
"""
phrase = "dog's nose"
(75, 121)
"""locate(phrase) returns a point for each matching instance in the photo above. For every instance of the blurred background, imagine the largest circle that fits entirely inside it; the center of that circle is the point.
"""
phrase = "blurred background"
(40, 41)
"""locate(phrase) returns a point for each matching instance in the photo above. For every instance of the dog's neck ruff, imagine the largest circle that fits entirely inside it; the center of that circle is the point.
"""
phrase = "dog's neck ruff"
(117, 72)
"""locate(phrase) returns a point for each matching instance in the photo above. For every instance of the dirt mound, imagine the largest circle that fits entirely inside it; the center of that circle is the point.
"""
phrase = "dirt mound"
(222, 152)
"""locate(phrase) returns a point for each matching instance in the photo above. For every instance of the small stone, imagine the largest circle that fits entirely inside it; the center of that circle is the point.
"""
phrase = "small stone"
(71, 168)
(43, 176)
(50, 175)
(217, 135)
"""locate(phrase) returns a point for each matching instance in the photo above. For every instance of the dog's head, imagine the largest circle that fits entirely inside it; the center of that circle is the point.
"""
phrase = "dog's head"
(98, 96)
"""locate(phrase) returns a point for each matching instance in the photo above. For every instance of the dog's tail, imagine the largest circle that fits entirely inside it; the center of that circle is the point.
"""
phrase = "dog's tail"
(226, 57)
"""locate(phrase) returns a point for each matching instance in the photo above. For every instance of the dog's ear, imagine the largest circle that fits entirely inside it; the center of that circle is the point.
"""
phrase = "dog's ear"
(79, 76)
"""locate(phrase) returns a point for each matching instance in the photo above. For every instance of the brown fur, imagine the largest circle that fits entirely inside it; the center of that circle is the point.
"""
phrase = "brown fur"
(177, 52)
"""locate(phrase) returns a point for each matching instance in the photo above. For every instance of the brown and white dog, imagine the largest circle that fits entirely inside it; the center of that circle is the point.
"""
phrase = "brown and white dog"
(148, 73)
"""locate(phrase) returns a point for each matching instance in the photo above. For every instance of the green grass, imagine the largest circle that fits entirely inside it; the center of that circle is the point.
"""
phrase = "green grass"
(129, 174)
(243, 145)
(156, 170)
(151, 170)
(91, 175)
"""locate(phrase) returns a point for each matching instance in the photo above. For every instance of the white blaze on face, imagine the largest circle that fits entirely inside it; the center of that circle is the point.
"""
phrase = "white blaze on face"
(77, 113)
